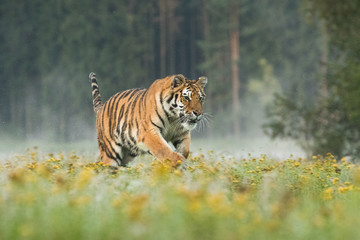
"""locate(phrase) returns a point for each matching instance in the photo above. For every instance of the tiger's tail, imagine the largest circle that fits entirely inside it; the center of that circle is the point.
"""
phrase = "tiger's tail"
(95, 92)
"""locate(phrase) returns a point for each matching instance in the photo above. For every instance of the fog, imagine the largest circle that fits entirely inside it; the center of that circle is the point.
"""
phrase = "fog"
(249, 50)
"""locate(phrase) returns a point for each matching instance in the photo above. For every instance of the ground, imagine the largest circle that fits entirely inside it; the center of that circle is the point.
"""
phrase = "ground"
(213, 196)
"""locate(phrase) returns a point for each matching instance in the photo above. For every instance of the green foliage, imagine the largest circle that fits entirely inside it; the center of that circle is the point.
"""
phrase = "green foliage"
(48, 48)
(272, 30)
(330, 122)
(313, 128)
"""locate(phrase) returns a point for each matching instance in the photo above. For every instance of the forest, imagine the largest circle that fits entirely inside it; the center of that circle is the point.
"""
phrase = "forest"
(287, 68)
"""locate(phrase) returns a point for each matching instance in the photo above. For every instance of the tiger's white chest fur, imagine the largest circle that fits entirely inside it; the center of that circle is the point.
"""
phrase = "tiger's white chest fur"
(172, 132)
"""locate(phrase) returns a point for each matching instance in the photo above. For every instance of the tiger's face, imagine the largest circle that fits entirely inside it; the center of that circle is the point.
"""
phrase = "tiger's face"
(185, 102)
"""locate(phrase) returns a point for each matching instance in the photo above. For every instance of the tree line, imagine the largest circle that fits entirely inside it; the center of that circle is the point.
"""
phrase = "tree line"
(331, 123)
(248, 49)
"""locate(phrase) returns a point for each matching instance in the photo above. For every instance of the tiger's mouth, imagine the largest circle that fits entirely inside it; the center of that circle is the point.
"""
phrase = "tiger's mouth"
(194, 121)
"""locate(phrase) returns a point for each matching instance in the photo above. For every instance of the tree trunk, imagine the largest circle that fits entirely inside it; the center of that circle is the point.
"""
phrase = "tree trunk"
(234, 50)
(324, 60)
(162, 19)
(30, 108)
(206, 56)
(171, 28)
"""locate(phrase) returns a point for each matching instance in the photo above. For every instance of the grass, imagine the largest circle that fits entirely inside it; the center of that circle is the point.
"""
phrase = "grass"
(69, 196)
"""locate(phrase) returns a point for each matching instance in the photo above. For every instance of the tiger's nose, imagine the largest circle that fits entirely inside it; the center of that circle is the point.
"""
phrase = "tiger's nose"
(197, 113)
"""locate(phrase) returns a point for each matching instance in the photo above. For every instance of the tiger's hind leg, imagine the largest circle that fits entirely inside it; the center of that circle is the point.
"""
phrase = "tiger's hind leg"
(108, 161)
(111, 156)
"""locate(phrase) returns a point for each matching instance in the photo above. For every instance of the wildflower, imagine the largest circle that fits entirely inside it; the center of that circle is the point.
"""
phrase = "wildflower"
(356, 176)
(17, 175)
(329, 190)
(217, 203)
(194, 206)
(79, 201)
(84, 178)
(44, 170)
(328, 194)
(61, 156)
(178, 173)
(117, 202)
(240, 199)
(335, 180)
(137, 204)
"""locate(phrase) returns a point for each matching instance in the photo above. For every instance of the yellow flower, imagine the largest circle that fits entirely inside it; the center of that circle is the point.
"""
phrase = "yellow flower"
(117, 202)
(44, 170)
(217, 202)
(356, 176)
(136, 206)
(79, 201)
(178, 173)
(240, 199)
(328, 194)
(335, 180)
(345, 189)
(84, 178)
(194, 206)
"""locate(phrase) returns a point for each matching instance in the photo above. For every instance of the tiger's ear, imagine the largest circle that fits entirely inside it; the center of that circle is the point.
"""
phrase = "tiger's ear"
(202, 81)
(177, 81)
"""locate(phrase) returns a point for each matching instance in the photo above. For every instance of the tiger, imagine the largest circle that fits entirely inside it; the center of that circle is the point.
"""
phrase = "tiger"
(155, 121)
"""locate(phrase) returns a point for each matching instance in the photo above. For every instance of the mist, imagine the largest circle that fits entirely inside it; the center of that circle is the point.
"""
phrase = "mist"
(249, 50)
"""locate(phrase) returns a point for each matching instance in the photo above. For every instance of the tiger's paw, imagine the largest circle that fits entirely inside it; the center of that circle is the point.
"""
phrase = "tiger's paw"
(177, 160)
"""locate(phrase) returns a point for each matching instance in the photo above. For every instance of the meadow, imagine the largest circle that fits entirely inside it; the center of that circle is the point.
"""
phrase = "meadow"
(211, 196)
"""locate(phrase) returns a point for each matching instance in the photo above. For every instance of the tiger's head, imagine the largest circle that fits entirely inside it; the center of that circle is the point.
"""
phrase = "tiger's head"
(185, 100)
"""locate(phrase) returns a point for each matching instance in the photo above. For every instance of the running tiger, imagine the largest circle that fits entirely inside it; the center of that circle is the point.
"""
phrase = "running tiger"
(139, 121)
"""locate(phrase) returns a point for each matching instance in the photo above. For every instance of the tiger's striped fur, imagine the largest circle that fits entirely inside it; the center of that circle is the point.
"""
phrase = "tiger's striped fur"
(139, 121)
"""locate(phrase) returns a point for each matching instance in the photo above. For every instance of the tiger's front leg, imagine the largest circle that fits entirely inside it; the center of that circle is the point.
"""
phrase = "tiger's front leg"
(161, 149)
(182, 144)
